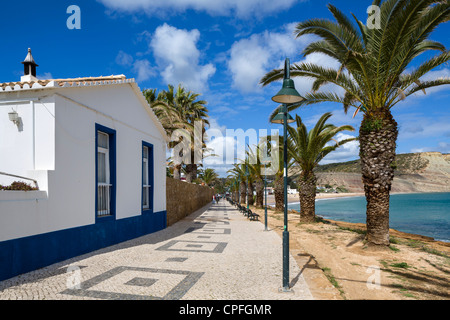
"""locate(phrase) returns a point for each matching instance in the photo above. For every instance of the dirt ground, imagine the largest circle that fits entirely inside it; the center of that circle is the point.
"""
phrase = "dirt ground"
(338, 265)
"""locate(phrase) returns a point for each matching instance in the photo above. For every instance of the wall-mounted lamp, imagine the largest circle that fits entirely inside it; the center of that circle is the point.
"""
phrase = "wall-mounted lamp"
(14, 117)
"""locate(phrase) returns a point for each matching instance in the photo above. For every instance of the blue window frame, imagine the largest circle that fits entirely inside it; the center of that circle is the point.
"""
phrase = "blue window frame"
(105, 173)
(147, 178)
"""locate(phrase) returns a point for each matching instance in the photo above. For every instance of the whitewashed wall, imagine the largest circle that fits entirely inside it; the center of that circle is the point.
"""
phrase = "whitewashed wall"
(56, 146)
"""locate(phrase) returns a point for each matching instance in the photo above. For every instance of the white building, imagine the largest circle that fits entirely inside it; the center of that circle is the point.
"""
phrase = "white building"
(291, 191)
(97, 152)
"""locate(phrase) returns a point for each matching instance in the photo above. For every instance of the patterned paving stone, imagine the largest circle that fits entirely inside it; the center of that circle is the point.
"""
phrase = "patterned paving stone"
(216, 253)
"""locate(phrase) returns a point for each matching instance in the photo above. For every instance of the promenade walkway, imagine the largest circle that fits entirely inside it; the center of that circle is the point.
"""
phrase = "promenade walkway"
(214, 254)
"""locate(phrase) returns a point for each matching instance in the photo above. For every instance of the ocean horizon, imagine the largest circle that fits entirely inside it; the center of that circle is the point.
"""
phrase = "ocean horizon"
(426, 214)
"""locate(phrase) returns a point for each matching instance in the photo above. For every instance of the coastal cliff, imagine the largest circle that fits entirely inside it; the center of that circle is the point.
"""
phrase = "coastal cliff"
(414, 172)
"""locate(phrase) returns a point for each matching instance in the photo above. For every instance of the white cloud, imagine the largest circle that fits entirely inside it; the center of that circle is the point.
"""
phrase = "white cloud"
(141, 67)
(346, 152)
(45, 76)
(143, 70)
(434, 75)
(229, 146)
(304, 85)
(442, 147)
(178, 57)
(248, 63)
(418, 126)
(252, 57)
(338, 118)
(124, 59)
(239, 8)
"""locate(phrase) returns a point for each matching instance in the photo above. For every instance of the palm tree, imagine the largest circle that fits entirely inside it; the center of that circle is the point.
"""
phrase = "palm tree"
(278, 188)
(192, 110)
(169, 117)
(180, 109)
(307, 150)
(208, 176)
(256, 171)
(232, 182)
(238, 171)
(376, 74)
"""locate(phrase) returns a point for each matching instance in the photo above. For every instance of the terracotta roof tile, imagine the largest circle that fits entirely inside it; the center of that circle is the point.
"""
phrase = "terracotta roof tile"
(71, 82)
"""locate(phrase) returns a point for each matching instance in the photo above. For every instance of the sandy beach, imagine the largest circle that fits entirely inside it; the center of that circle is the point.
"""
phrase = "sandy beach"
(295, 198)
(414, 267)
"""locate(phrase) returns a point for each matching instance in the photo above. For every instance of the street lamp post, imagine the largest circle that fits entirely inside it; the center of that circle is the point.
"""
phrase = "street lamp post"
(265, 202)
(287, 95)
(247, 175)
(265, 161)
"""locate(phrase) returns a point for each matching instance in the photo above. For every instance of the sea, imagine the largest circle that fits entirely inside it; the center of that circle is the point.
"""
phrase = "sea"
(426, 214)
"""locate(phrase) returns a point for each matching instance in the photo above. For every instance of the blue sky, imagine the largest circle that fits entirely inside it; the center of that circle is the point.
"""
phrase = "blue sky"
(220, 49)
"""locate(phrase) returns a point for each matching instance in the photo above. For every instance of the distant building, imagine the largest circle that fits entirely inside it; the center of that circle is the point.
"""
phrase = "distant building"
(269, 190)
(97, 152)
(291, 191)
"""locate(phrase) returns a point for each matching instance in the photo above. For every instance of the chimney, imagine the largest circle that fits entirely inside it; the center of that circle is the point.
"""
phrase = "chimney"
(29, 68)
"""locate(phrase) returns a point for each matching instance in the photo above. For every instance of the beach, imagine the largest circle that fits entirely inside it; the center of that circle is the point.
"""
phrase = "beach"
(319, 196)
(414, 267)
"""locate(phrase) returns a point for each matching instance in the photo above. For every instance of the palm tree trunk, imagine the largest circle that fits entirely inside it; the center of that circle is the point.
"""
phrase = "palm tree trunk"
(259, 186)
(243, 192)
(191, 172)
(307, 193)
(251, 200)
(177, 172)
(279, 193)
(378, 136)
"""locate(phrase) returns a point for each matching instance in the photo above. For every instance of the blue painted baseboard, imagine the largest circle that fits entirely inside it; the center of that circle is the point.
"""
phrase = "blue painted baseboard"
(30, 253)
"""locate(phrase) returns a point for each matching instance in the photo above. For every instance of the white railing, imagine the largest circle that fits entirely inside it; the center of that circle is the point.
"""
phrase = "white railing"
(104, 199)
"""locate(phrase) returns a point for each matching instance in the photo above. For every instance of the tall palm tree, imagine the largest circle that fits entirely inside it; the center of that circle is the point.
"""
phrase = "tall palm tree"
(232, 183)
(256, 170)
(376, 73)
(278, 188)
(208, 176)
(180, 109)
(169, 117)
(192, 111)
(250, 179)
(239, 172)
(307, 150)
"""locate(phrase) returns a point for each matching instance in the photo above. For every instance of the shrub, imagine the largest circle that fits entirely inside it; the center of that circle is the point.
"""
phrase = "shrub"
(18, 186)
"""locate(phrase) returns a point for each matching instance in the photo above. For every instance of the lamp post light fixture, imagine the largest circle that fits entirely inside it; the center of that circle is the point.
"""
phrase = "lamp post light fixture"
(287, 95)
(14, 117)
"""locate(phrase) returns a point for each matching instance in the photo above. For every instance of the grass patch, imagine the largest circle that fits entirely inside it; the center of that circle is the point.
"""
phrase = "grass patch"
(421, 245)
(402, 265)
(333, 281)
(312, 231)
(435, 252)
(321, 220)
(395, 249)
(358, 231)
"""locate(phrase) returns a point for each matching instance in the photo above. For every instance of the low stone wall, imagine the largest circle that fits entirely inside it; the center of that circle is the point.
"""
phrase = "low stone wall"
(185, 198)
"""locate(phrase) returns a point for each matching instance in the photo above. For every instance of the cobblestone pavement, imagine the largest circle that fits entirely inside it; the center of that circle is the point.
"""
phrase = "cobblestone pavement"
(214, 254)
